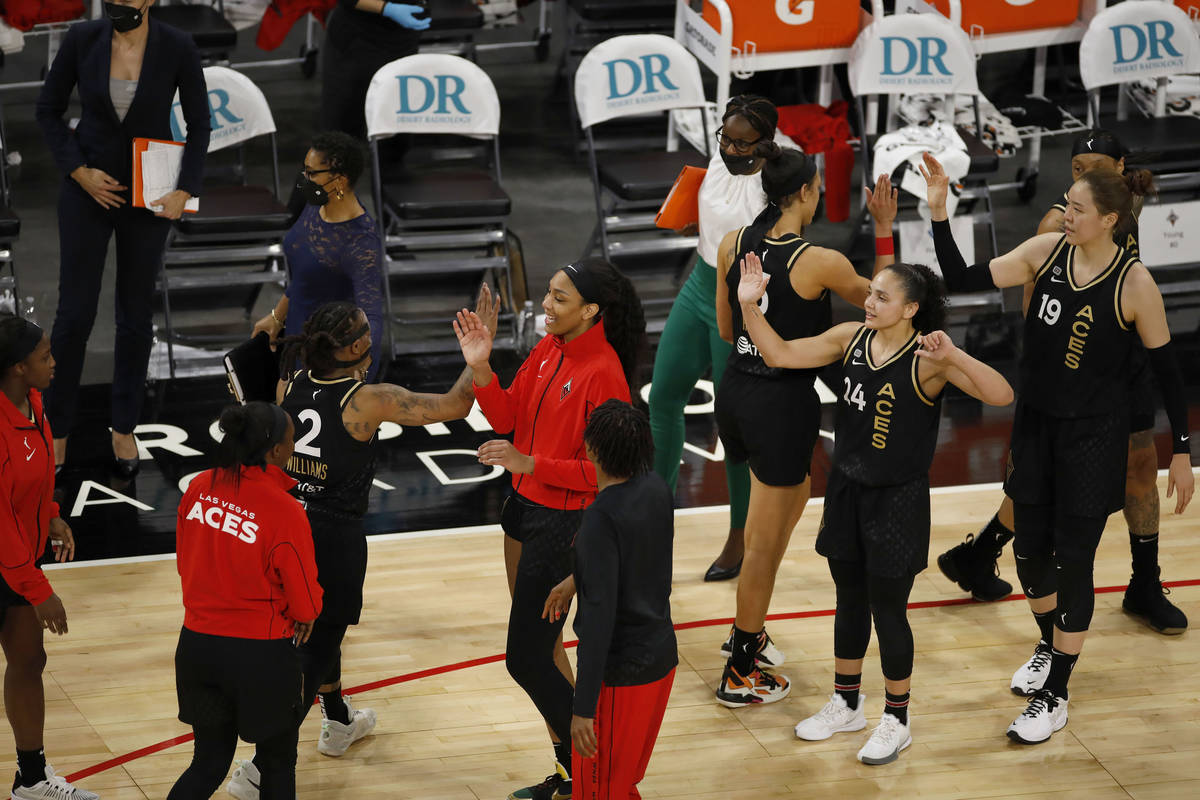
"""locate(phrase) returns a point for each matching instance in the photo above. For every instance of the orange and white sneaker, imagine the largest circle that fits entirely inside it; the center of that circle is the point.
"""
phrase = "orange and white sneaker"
(756, 688)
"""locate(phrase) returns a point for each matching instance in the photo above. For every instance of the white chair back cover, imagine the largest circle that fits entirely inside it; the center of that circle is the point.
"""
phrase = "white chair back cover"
(237, 109)
(432, 93)
(1138, 39)
(912, 54)
(636, 74)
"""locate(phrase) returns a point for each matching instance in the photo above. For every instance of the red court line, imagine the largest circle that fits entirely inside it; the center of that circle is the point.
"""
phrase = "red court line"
(478, 662)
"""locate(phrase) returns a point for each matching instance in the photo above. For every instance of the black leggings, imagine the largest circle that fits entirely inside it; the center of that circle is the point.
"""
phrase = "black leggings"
(546, 537)
(1055, 552)
(861, 596)
(274, 757)
(320, 662)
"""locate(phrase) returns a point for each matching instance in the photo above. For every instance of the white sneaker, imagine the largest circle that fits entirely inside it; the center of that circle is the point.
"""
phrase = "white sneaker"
(52, 787)
(336, 737)
(887, 740)
(1032, 675)
(244, 782)
(768, 655)
(1044, 715)
(835, 717)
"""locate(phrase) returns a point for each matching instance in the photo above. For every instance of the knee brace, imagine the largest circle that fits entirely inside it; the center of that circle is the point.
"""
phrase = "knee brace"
(1076, 596)
(1033, 549)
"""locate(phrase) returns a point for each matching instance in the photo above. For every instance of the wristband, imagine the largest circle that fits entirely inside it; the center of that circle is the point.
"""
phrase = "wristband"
(885, 246)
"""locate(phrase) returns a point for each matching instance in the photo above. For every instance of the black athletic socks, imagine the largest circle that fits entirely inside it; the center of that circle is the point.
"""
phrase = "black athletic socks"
(896, 705)
(1045, 623)
(1061, 665)
(333, 707)
(31, 767)
(994, 535)
(847, 686)
(562, 754)
(745, 648)
(1144, 550)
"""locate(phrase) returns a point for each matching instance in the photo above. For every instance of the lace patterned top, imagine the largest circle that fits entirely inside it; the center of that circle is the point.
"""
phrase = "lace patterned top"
(335, 261)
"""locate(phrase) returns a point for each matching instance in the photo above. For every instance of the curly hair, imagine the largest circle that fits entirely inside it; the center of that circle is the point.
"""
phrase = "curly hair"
(329, 329)
(756, 110)
(619, 437)
(924, 287)
(621, 310)
(342, 152)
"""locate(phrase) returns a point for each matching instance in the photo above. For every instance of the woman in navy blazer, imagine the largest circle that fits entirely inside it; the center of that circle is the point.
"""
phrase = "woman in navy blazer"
(127, 68)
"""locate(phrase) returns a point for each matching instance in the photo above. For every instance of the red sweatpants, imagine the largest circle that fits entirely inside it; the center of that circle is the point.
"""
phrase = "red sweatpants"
(627, 723)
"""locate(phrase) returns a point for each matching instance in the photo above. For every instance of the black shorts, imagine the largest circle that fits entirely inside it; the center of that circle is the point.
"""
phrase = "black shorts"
(340, 546)
(547, 535)
(773, 423)
(252, 684)
(1075, 465)
(1143, 395)
(884, 527)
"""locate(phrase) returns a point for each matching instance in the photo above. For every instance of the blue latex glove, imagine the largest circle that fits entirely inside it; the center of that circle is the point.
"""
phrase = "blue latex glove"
(404, 15)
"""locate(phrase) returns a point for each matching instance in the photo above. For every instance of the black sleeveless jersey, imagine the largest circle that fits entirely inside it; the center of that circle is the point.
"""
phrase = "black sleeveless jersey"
(1124, 235)
(1078, 345)
(886, 428)
(334, 470)
(792, 316)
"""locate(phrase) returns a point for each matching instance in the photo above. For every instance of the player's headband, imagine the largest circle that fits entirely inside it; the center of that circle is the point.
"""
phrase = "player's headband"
(1100, 143)
(584, 280)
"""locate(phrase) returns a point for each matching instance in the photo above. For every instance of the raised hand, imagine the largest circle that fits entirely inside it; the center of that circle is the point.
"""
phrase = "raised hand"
(753, 283)
(487, 307)
(939, 183)
(474, 339)
(936, 346)
(882, 203)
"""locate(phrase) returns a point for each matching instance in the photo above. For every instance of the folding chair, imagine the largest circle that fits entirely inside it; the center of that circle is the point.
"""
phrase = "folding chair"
(623, 77)
(454, 24)
(235, 241)
(442, 213)
(213, 34)
(924, 53)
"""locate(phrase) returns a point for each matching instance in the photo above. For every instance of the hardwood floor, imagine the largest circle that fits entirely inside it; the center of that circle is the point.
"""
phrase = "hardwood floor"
(468, 733)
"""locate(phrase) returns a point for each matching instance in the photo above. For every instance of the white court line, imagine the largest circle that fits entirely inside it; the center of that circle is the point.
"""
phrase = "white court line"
(480, 529)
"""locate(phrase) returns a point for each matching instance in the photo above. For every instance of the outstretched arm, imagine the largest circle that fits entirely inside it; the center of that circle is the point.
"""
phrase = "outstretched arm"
(883, 203)
(967, 373)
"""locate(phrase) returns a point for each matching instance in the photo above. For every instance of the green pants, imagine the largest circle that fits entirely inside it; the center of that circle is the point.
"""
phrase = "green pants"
(689, 346)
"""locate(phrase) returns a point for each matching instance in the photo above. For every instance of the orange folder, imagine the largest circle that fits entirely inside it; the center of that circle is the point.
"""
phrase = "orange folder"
(140, 146)
(682, 205)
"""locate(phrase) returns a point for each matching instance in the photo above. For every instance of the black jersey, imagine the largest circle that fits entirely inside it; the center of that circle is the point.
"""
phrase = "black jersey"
(334, 470)
(885, 429)
(790, 315)
(1126, 235)
(1076, 356)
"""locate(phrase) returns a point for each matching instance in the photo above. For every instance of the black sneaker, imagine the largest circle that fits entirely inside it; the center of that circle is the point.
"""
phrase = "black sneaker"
(1146, 599)
(974, 569)
(555, 787)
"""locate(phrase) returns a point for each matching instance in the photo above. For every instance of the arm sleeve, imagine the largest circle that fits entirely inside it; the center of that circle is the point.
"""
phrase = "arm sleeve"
(52, 105)
(958, 276)
(597, 575)
(17, 558)
(293, 561)
(366, 277)
(193, 96)
(1170, 383)
(500, 405)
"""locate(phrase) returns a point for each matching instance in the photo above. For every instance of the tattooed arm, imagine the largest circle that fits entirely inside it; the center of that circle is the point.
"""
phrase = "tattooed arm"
(385, 402)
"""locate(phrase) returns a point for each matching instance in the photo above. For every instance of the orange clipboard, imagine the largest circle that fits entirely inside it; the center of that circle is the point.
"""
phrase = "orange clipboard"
(140, 145)
(682, 206)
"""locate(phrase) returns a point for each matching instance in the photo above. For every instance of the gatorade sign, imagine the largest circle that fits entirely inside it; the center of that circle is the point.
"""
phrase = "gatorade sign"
(237, 110)
(636, 75)
(767, 26)
(432, 93)
(912, 53)
(1132, 41)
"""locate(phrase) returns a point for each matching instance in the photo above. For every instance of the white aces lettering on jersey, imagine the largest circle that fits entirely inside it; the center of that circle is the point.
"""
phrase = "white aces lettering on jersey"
(220, 515)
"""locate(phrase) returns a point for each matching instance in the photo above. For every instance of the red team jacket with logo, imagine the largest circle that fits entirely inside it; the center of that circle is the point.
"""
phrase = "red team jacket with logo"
(26, 497)
(245, 556)
(547, 406)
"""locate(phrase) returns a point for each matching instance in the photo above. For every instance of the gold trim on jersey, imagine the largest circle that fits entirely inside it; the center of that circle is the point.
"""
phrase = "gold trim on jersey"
(1125, 267)
(858, 335)
(788, 238)
(799, 250)
(917, 383)
(329, 382)
(349, 393)
(1050, 259)
(894, 356)
(1070, 268)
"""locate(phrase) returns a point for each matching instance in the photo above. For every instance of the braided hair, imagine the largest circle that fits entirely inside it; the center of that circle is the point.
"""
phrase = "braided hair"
(619, 437)
(342, 152)
(330, 328)
(621, 309)
(924, 287)
(11, 327)
(756, 110)
(250, 433)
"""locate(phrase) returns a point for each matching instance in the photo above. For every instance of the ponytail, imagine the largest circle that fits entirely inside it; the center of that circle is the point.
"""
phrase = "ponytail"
(785, 171)
(330, 328)
(924, 287)
(620, 309)
(250, 431)
(1119, 193)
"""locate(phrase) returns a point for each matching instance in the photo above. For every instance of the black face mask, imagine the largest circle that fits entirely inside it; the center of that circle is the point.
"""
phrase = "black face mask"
(124, 18)
(314, 193)
(739, 165)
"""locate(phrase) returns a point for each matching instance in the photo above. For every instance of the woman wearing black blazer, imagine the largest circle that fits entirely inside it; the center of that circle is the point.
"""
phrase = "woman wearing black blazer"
(127, 68)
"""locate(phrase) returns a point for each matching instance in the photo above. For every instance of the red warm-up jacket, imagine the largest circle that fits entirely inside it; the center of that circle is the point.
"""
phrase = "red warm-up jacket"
(245, 556)
(547, 406)
(26, 497)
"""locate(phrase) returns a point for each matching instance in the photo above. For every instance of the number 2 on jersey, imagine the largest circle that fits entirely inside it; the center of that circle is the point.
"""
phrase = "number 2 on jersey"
(1050, 310)
(854, 396)
(302, 444)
